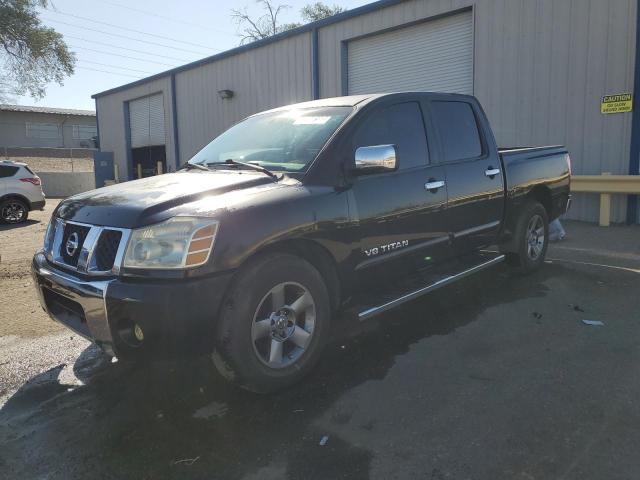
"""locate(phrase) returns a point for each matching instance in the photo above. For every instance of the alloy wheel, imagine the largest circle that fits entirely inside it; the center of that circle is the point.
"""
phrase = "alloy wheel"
(535, 237)
(12, 212)
(283, 325)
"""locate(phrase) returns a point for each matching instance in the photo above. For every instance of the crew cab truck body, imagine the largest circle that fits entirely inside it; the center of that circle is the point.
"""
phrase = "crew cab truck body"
(359, 202)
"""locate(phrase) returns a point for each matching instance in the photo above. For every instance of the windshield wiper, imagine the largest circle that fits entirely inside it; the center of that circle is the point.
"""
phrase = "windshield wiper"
(189, 166)
(252, 166)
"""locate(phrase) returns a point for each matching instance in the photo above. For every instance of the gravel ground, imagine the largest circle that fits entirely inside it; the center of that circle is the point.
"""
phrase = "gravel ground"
(29, 340)
(22, 315)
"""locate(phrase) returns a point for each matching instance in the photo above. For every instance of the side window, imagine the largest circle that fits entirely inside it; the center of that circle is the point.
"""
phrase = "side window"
(43, 130)
(458, 130)
(6, 171)
(401, 125)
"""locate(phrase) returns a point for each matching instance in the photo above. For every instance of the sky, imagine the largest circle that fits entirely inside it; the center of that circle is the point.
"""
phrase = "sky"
(120, 41)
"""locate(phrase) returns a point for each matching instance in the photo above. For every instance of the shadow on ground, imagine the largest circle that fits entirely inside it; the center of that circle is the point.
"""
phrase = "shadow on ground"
(181, 420)
(14, 226)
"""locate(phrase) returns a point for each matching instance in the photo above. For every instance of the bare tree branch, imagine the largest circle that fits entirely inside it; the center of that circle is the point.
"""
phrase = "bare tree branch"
(267, 25)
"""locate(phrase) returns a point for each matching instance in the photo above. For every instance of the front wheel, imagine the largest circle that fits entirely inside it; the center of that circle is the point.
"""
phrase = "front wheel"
(273, 324)
(531, 238)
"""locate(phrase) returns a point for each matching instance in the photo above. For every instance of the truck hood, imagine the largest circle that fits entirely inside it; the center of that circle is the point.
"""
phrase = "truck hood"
(149, 200)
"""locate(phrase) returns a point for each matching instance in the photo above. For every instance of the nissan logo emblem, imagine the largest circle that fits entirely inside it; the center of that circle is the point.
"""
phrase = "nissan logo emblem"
(72, 244)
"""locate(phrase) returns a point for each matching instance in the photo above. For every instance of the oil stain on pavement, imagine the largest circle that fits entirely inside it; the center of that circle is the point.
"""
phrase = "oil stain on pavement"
(466, 383)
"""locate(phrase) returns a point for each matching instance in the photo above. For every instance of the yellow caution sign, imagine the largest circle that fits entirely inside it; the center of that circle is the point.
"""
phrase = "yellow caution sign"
(616, 103)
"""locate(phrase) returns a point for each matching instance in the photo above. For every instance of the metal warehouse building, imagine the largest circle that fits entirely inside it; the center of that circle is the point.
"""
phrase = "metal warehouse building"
(539, 67)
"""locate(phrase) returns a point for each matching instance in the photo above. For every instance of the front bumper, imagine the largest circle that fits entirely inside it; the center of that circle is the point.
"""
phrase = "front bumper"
(39, 205)
(176, 317)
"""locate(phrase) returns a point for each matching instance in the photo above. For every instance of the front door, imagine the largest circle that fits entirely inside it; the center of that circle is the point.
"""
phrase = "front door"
(474, 175)
(401, 220)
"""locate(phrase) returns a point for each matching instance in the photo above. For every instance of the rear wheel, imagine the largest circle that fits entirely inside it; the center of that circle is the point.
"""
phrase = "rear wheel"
(273, 324)
(13, 211)
(531, 238)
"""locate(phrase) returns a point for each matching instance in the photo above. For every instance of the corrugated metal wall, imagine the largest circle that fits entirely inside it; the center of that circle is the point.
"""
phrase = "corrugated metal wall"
(542, 79)
(540, 69)
(262, 78)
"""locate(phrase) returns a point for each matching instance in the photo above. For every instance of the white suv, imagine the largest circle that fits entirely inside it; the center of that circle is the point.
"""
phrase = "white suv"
(20, 192)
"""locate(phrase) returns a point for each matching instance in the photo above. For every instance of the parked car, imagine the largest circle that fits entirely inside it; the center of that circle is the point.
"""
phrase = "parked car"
(20, 192)
(360, 202)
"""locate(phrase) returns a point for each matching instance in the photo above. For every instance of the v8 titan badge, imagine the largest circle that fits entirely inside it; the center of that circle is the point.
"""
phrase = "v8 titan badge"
(372, 252)
(620, 103)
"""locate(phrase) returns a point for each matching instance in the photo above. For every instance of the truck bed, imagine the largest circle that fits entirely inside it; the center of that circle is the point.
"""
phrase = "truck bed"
(527, 167)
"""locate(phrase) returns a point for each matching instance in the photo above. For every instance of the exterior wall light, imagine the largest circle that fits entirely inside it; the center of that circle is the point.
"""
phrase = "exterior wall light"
(225, 94)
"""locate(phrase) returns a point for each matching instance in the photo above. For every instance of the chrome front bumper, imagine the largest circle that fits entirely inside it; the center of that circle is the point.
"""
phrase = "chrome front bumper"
(77, 304)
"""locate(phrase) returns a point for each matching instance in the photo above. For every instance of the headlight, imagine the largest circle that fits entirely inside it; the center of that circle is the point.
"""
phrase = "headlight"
(180, 242)
(48, 236)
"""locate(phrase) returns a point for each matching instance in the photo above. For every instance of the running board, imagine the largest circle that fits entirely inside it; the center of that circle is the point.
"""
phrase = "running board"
(413, 294)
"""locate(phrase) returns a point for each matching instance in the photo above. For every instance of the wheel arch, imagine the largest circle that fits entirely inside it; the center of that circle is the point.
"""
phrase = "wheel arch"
(16, 196)
(314, 253)
(540, 194)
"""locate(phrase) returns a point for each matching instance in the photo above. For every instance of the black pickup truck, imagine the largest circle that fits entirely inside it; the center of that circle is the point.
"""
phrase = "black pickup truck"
(247, 253)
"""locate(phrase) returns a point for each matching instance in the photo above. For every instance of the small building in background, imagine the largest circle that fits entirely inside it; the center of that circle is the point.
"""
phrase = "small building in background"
(43, 127)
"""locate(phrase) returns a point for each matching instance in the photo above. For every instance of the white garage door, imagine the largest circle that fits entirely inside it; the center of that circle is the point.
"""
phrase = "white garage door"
(146, 120)
(431, 56)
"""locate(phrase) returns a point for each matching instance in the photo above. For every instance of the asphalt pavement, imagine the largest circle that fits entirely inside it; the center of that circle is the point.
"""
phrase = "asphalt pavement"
(494, 377)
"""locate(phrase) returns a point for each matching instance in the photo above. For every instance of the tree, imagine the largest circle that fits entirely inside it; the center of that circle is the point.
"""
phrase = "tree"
(267, 25)
(31, 54)
(317, 11)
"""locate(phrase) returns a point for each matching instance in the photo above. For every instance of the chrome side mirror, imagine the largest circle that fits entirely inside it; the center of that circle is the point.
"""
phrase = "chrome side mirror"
(375, 159)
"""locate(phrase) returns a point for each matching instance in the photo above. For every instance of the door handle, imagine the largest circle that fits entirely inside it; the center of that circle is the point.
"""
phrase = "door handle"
(492, 172)
(434, 185)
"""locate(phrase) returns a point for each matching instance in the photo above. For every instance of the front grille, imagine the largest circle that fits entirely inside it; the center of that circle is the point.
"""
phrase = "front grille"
(97, 247)
(106, 249)
(72, 241)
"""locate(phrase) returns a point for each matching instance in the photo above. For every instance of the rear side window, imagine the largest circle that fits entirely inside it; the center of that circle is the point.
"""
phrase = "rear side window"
(401, 125)
(458, 130)
(7, 171)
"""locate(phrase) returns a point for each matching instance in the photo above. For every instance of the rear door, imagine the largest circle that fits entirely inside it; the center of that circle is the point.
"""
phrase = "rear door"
(473, 170)
(6, 172)
(401, 225)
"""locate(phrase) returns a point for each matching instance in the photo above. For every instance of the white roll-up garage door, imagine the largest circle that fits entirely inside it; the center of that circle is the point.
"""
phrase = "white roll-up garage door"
(146, 120)
(430, 56)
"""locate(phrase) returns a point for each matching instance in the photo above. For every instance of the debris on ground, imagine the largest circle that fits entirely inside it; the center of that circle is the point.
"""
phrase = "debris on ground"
(556, 232)
(324, 440)
(576, 308)
(186, 461)
(212, 410)
(537, 315)
(595, 323)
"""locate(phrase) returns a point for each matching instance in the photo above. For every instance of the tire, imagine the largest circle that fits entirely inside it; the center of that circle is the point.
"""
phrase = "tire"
(13, 211)
(531, 239)
(262, 347)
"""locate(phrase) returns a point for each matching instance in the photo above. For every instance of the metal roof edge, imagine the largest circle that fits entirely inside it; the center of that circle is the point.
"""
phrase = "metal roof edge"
(364, 9)
(6, 107)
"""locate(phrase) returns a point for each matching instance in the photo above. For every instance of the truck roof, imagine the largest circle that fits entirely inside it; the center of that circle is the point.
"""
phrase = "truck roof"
(348, 101)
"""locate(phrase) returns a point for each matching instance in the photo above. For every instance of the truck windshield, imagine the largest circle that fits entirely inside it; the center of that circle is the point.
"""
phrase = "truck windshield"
(285, 141)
